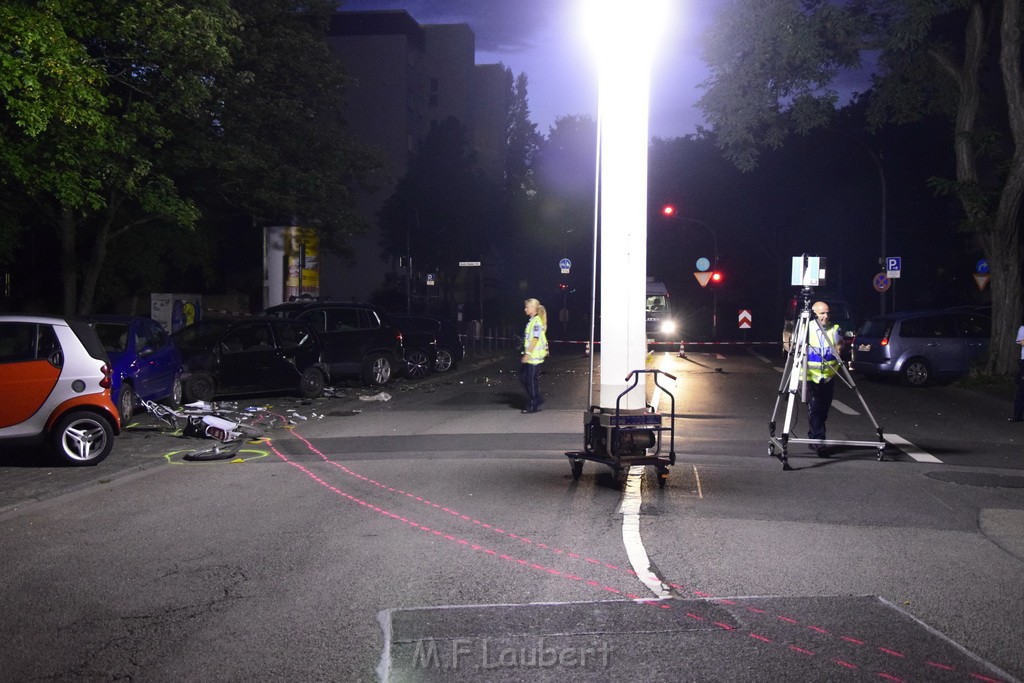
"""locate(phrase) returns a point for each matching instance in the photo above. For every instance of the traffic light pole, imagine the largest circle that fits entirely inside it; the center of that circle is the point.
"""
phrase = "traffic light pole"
(714, 314)
(670, 212)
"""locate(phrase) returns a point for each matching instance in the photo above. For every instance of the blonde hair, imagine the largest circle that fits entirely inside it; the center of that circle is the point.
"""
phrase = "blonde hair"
(542, 312)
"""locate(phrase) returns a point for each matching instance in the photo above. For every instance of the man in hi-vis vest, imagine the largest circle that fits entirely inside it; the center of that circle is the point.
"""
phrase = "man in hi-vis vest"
(822, 366)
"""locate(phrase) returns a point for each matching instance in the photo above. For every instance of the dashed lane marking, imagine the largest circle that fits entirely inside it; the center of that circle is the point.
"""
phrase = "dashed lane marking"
(910, 449)
(843, 408)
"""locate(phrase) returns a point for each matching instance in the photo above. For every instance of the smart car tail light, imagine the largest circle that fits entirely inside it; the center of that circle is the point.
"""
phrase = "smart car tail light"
(105, 382)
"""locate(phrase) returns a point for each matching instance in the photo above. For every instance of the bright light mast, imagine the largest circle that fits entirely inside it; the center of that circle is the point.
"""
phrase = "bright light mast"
(624, 36)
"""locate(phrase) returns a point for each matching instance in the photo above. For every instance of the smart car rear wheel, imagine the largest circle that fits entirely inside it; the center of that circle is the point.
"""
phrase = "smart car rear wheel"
(445, 361)
(417, 364)
(126, 403)
(200, 387)
(917, 372)
(82, 437)
(312, 383)
(376, 370)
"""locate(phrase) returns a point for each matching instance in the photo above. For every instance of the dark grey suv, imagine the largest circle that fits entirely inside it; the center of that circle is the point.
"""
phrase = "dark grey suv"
(358, 339)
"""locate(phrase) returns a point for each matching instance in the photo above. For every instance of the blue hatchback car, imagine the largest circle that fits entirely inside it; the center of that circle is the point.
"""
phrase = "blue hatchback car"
(145, 362)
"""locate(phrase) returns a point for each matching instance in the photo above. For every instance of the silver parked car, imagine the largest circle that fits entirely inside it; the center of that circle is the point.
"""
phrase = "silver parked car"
(921, 346)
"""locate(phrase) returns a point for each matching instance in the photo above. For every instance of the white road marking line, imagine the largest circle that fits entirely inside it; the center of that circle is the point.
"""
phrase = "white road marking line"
(719, 356)
(760, 357)
(629, 506)
(843, 408)
(700, 490)
(638, 558)
(656, 394)
(910, 449)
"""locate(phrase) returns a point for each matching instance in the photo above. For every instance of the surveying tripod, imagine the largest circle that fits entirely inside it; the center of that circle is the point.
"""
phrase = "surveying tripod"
(794, 384)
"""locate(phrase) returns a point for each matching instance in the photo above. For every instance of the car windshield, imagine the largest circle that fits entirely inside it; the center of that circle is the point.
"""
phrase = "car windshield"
(657, 302)
(114, 336)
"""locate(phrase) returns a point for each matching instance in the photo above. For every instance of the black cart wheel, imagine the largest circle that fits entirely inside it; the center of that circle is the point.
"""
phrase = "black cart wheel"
(577, 468)
(662, 477)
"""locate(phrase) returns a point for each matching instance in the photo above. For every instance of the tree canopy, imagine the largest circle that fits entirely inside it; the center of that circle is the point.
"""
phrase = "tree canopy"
(120, 115)
(774, 68)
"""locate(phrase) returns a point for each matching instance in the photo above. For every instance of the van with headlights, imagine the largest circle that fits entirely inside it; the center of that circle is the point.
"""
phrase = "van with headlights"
(662, 323)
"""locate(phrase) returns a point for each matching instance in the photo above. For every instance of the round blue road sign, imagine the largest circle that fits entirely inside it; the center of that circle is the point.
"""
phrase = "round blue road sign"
(981, 266)
(703, 264)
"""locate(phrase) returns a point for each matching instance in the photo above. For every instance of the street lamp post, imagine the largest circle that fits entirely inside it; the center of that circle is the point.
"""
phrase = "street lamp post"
(624, 44)
(670, 212)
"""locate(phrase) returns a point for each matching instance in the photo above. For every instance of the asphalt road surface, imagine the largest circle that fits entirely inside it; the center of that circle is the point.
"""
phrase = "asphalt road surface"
(440, 535)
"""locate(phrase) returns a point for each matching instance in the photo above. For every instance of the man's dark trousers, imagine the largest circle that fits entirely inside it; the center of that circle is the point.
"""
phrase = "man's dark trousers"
(819, 401)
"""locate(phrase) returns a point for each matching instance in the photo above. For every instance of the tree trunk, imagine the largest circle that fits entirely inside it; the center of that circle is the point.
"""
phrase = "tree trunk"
(997, 232)
(94, 265)
(68, 260)
(1005, 251)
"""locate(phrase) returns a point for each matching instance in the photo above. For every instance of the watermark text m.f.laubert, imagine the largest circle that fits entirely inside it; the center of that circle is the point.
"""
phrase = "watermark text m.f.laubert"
(485, 653)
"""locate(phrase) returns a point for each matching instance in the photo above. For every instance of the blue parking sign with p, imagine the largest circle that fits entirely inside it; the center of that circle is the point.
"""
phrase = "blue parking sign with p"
(892, 263)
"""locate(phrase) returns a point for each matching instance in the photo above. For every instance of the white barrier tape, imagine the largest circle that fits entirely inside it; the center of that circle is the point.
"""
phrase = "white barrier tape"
(688, 343)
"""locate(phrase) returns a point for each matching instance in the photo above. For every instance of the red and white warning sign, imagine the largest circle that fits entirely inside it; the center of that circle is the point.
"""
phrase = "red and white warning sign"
(746, 320)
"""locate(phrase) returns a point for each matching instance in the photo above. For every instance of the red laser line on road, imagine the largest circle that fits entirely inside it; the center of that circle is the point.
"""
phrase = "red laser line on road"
(525, 563)
(523, 539)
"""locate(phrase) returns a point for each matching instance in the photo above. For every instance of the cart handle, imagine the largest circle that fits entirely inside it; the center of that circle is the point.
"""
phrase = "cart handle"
(635, 376)
(654, 371)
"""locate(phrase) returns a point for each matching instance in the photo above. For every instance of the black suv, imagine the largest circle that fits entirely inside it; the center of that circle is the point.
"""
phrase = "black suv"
(358, 339)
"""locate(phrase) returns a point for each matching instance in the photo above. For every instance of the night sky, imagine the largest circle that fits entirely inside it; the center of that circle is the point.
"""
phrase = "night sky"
(543, 39)
(783, 213)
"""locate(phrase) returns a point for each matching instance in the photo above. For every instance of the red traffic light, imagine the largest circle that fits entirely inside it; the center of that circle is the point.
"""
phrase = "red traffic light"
(716, 277)
(668, 210)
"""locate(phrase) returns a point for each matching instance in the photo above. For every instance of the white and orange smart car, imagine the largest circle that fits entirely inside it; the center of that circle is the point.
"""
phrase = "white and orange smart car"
(55, 382)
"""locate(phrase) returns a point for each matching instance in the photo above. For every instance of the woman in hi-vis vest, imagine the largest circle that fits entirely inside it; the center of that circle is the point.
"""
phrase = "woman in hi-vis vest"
(535, 349)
